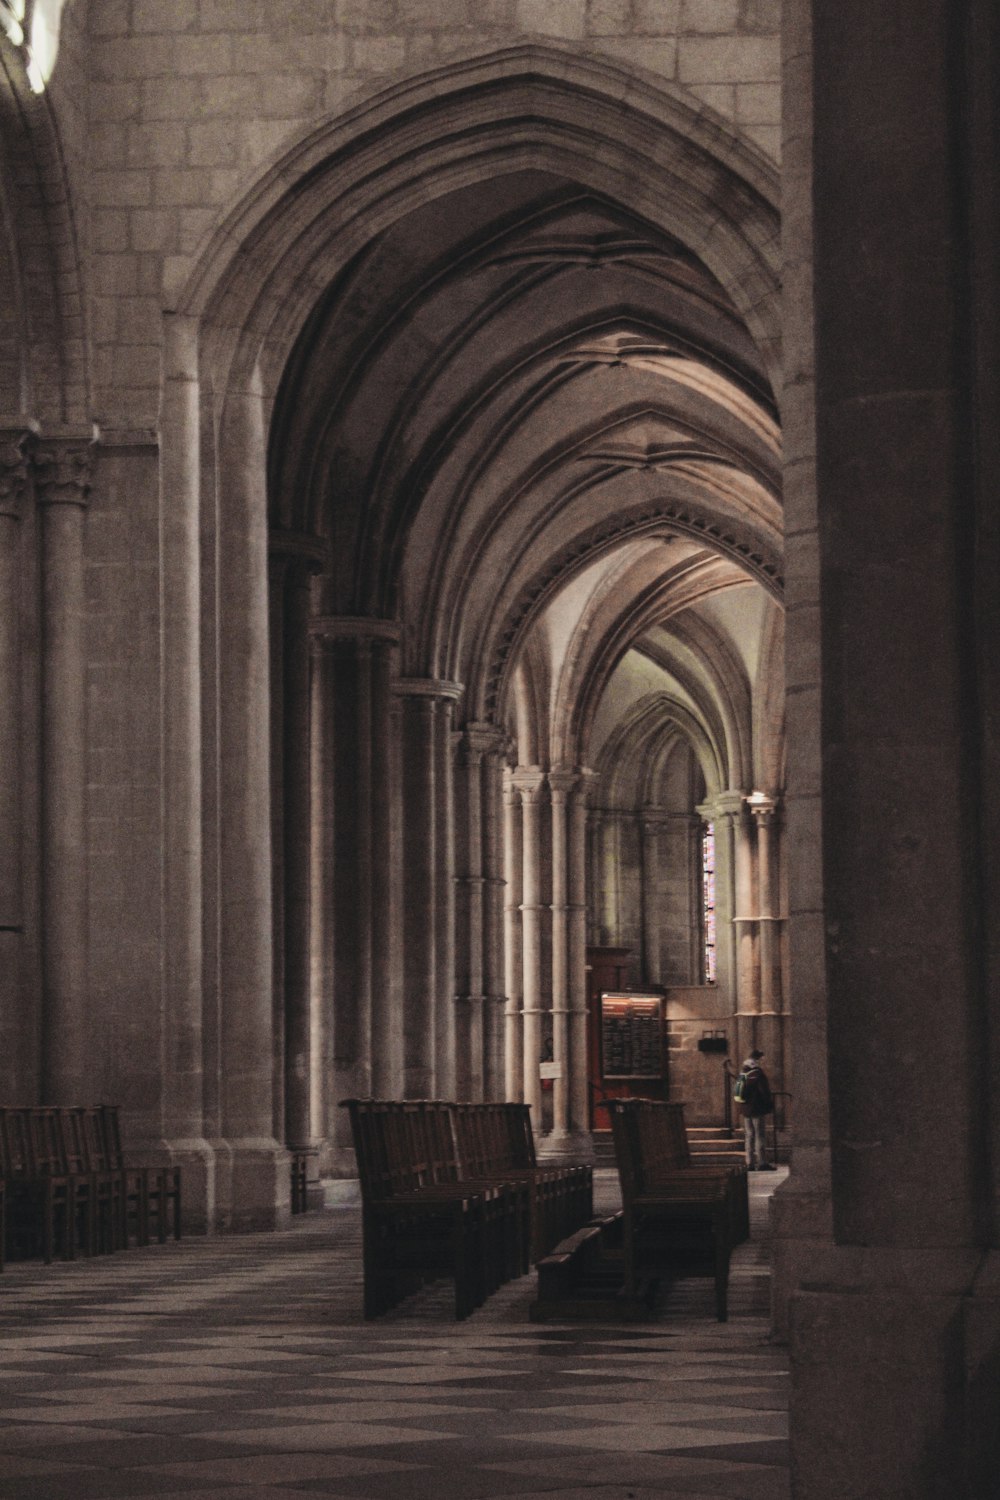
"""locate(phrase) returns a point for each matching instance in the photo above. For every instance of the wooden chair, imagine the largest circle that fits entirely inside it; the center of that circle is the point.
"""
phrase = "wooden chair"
(675, 1216)
(40, 1199)
(151, 1195)
(412, 1230)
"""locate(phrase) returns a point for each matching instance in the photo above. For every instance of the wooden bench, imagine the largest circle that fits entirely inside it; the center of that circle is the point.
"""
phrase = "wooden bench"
(495, 1141)
(419, 1223)
(68, 1189)
(454, 1190)
(677, 1213)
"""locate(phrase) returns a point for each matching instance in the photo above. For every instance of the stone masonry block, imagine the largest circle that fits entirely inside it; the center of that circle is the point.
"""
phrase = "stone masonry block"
(767, 137)
(137, 365)
(656, 17)
(107, 145)
(170, 98)
(232, 15)
(296, 16)
(161, 145)
(134, 57)
(288, 96)
(108, 18)
(118, 189)
(729, 59)
(114, 101)
(758, 103)
(566, 18)
(109, 229)
(608, 17)
(153, 229)
(235, 96)
(658, 56)
(760, 15)
(435, 14)
(213, 143)
(116, 275)
(183, 185)
(364, 15)
(153, 15)
(261, 140)
(103, 320)
(193, 227)
(378, 54)
(139, 320)
(268, 54)
(150, 281)
(715, 16)
(204, 54)
(720, 96)
(422, 48)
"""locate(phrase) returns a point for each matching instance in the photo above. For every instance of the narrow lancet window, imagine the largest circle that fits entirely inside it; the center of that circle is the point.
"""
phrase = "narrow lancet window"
(708, 902)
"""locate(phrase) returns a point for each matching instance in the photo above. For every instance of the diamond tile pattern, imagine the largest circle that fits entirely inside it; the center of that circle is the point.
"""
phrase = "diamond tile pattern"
(241, 1369)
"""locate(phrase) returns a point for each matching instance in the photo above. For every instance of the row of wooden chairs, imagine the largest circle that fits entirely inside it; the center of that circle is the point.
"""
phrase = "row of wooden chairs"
(67, 1189)
(678, 1209)
(452, 1190)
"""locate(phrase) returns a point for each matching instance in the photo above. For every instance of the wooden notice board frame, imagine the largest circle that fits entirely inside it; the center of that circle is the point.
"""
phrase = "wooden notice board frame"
(631, 1035)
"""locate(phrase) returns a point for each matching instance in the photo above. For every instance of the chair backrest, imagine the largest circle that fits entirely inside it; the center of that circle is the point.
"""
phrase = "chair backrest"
(48, 1141)
(110, 1128)
(16, 1163)
(650, 1142)
(520, 1135)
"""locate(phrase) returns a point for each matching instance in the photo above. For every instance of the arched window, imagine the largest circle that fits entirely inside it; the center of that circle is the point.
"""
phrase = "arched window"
(708, 903)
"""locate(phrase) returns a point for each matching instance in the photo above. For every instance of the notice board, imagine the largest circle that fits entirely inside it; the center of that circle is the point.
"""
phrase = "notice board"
(631, 1036)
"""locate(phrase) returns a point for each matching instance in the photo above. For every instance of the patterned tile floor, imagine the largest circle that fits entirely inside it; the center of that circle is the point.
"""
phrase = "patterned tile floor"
(240, 1369)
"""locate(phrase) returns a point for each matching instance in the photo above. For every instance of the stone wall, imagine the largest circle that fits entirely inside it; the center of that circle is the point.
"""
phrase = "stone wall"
(188, 101)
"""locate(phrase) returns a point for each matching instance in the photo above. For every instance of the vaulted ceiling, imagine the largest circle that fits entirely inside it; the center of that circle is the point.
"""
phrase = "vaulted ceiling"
(535, 431)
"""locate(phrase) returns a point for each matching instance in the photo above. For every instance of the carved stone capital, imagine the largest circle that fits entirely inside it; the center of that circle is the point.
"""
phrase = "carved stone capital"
(529, 782)
(428, 687)
(63, 465)
(16, 443)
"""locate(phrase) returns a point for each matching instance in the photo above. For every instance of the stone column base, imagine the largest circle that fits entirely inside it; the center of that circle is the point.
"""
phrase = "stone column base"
(567, 1145)
(196, 1159)
(894, 1381)
(260, 1188)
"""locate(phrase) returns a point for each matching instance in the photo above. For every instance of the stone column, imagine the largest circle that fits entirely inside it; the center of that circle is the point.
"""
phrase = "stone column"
(479, 1034)
(610, 825)
(189, 1106)
(63, 465)
(561, 784)
(763, 811)
(651, 824)
(725, 813)
(293, 561)
(428, 909)
(259, 1165)
(513, 940)
(895, 1328)
(595, 845)
(744, 921)
(15, 442)
(494, 1022)
(530, 784)
(367, 1029)
(579, 1104)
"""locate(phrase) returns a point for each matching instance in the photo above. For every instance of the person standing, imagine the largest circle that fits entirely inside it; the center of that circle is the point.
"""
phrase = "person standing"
(756, 1102)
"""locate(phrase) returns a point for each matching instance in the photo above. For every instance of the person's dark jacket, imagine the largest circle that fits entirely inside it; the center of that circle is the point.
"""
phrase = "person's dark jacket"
(757, 1097)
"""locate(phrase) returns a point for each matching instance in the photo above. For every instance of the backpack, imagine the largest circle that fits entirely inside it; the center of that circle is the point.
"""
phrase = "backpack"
(740, 1088)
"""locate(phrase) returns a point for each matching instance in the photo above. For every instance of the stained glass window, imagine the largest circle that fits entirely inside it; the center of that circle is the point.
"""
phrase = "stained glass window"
(708, 901)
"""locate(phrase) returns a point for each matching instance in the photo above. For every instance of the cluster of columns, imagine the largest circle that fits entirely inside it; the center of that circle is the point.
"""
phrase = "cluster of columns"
(749, 953)
(546, 817)
(45, 482)
(388, 876)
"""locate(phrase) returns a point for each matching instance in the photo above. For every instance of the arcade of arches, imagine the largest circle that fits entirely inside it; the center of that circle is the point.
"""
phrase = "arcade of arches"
(445, 506)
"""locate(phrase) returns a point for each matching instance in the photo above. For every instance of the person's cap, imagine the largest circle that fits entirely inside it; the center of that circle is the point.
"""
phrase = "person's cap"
(756, 1052)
